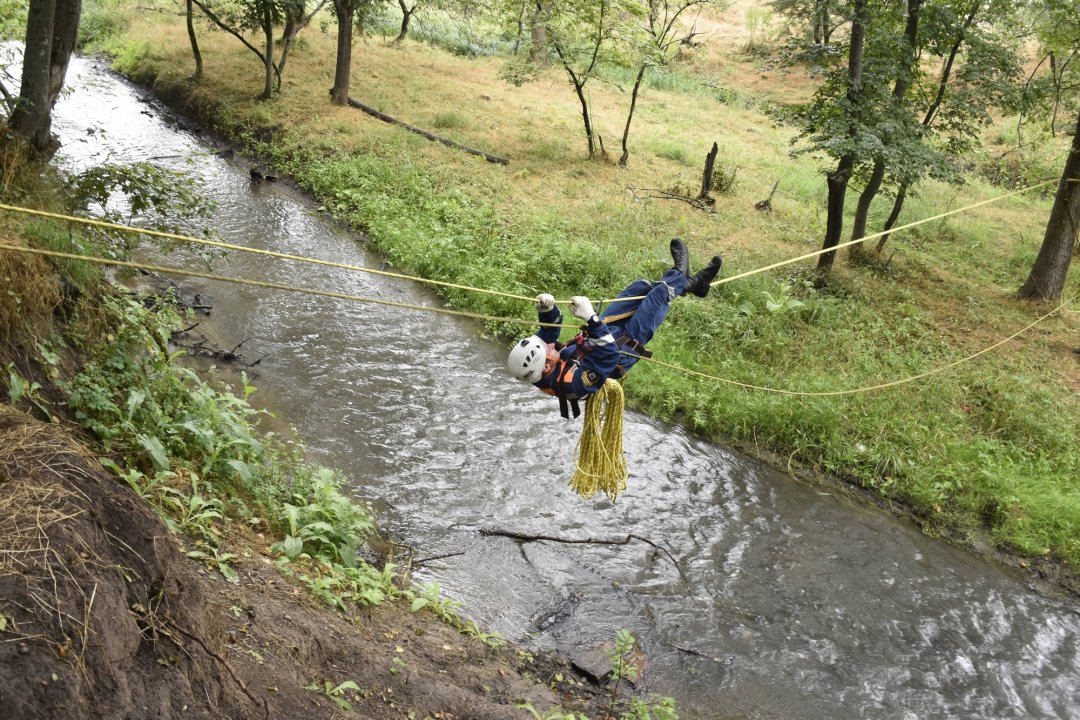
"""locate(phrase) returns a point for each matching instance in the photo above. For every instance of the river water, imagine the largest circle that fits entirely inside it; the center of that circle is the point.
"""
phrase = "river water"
(800, 604)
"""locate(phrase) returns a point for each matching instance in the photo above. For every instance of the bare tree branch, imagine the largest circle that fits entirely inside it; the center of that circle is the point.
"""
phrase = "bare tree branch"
(221, 24)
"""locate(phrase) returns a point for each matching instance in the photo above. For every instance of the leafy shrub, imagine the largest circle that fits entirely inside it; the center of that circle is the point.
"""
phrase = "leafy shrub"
(99, 24)
(321, 521)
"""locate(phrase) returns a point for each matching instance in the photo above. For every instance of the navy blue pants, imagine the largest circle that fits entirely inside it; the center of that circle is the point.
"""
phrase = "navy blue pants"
(648, 312)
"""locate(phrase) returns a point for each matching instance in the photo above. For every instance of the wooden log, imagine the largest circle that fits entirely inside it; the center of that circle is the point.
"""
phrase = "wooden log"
(429, 135)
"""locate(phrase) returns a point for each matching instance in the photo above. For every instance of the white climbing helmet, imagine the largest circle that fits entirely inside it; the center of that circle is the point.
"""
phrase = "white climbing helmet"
(526, 361)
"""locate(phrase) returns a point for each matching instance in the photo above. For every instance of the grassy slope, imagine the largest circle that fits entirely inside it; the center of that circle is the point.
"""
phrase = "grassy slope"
(992, 443)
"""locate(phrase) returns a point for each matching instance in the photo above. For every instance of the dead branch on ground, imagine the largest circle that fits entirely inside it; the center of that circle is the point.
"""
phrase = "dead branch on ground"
(429, 135)
(651, 193)
(766, 204)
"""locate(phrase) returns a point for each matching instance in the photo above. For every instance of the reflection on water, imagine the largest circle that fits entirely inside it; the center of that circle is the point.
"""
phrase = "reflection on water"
(799, 604)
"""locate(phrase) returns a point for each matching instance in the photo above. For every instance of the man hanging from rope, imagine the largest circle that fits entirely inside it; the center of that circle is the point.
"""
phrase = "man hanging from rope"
(612, 342)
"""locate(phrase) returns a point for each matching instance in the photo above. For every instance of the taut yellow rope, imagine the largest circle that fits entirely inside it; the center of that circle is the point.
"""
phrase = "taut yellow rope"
(358, 268)
(255, 251)
(599, 461)
(272, 285)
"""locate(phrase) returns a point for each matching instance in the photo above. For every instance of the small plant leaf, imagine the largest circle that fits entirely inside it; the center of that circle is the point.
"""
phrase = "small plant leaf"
(157, 451)
(229, 573)
(292, 547)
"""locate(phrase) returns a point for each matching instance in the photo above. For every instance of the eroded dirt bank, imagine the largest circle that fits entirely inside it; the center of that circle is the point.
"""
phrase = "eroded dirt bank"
(106, 618)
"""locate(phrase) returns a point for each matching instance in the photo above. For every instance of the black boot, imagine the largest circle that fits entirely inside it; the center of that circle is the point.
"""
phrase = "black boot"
(702, 281)
(680, 255)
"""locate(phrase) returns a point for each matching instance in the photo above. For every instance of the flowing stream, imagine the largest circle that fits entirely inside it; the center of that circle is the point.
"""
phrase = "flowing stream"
(801, 604)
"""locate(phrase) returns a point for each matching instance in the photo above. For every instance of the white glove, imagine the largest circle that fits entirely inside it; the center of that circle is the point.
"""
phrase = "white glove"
(582, 308)
(544, 302)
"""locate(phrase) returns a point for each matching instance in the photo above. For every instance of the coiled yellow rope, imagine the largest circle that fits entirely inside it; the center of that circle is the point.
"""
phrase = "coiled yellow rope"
(599, 462)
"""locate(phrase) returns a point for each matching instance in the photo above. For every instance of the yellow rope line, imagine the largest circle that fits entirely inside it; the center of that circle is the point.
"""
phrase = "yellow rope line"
(853, 391)
(255, 251)
(274, 285)
(515, 321)
(440, 283)
(863, 239)
(491, 318)
(879, 234)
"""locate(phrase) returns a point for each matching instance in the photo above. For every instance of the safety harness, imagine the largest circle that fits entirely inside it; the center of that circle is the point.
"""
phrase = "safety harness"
(564, 370)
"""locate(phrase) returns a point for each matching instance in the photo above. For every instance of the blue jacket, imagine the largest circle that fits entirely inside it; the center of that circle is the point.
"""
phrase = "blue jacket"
(577, 377)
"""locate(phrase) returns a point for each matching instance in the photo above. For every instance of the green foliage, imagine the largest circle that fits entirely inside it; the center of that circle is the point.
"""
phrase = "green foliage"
(761, 32)
(155, 198)
(12, 21)
(19, 388)
(337, 585)
(99, 25)
(338, 693)
(192, 451)
(449, 119)
(1053, 89)
(322, 522)
(670, 150)
(555, 713)
(921, 133)
(219, 560)
(469, 30)
(446, 609)
(621, 668)
(127, 55)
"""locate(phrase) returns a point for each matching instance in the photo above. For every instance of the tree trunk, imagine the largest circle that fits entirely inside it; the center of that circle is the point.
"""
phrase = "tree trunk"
(630, 116)
(538, 34)
(288, 34)
(903, 81)
(862, 208)
(894, 215)
(32, 110)
(194, 41)
(268, 59)
(339, 94)
(65, 33)
(293, 25)
(707, 173)
(580, 90)
(406, 16)
(838, 179)
(1051, 268)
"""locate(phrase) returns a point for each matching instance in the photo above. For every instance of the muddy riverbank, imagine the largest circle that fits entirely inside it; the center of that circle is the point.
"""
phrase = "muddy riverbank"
(104, 617)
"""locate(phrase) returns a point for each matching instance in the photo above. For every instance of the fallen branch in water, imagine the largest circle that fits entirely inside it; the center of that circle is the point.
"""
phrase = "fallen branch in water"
(424, 133)
(527, 537)
(523, 537)
(421, 561)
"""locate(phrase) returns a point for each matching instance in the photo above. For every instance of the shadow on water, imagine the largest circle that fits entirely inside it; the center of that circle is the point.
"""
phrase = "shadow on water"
(800, 604)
